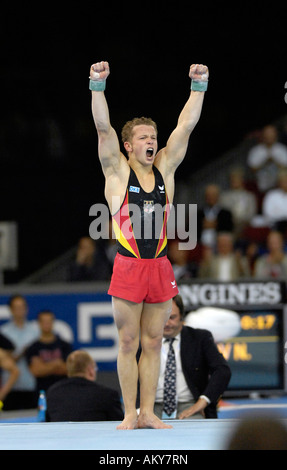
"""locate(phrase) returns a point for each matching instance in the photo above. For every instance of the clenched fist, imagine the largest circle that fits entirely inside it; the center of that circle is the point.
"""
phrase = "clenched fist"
(100, 71)
(199, 73)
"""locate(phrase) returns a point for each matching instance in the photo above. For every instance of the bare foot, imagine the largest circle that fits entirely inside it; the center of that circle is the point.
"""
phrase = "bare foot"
(151, 421)
(129, 422)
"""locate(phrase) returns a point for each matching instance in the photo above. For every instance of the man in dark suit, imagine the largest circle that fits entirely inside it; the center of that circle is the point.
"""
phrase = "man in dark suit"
(202, 373)
(79, 398)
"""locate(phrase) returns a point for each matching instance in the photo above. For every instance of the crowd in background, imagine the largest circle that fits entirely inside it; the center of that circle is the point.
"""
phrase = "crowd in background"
(242, 230)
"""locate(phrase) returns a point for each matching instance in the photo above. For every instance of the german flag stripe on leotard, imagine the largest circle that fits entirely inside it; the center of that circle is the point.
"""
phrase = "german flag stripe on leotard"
(124, 231)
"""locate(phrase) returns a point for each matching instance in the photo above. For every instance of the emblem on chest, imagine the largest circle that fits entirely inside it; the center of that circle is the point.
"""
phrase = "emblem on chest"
(148, 207)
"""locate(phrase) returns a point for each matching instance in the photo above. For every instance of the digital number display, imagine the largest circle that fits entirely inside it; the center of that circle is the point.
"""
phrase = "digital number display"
(255, 355)
(258, 322)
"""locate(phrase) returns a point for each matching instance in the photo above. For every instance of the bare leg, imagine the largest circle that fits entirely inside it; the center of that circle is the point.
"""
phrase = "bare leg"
(127, 318)
(153, 319)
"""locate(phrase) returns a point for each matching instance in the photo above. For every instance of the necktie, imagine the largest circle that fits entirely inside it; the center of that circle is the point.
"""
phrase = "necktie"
(169, 391)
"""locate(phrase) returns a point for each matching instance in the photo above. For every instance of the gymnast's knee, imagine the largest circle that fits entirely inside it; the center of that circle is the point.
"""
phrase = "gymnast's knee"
(151, 344)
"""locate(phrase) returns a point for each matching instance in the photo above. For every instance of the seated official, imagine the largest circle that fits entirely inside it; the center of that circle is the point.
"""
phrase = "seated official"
(202, 374)
(79, 398)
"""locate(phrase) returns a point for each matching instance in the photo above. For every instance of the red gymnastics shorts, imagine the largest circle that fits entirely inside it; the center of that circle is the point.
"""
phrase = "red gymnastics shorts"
(143, 280)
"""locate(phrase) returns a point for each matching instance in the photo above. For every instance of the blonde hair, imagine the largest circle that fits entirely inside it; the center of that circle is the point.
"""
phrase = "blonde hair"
(127, 131)
(77, 363)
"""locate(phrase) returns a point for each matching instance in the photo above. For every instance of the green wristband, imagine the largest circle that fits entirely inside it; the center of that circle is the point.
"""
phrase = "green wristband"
(96, 85)
(198, 86)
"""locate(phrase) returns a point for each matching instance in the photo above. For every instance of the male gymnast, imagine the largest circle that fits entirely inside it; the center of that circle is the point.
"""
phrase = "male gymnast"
(142, 284)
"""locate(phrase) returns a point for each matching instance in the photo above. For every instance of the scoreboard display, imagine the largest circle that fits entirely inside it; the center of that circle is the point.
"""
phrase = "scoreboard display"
(257, 352)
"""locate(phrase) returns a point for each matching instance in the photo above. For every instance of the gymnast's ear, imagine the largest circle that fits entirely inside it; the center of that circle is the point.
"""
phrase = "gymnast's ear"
(128, 147)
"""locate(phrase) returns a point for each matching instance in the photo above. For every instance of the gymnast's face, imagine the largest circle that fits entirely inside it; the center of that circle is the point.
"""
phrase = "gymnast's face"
(174, 324)
(143, 145)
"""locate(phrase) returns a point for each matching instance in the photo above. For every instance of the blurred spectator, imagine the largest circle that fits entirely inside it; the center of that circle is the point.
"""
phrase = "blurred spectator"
(79, 398)
(274, 263)
(266, 158)
(259, 433)
(213, 218)
(47, 356)
(91, 263)
(8, 364)
(240, 202)
(21, 333)
(274, 207)
(179, 259)
(226, 264)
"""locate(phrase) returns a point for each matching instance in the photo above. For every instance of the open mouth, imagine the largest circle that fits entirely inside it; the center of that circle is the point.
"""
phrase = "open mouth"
(149, 152)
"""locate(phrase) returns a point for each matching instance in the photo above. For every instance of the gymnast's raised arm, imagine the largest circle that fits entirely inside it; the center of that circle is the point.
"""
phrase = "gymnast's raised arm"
(109, 149)
(170, 157)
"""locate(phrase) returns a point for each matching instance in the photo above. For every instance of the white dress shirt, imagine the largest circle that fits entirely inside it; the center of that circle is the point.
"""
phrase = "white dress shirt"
(183, 393)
